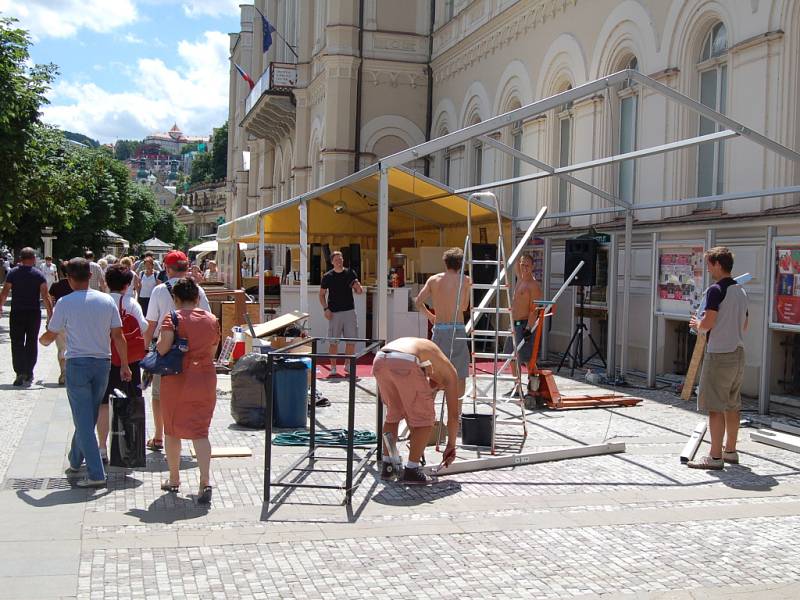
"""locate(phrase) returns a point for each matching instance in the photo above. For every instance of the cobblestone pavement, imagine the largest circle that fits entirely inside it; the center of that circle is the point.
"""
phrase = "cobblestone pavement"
(637, 524)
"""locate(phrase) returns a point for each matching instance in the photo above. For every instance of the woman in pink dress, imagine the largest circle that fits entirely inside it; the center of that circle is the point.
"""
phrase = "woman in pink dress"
(188, 399)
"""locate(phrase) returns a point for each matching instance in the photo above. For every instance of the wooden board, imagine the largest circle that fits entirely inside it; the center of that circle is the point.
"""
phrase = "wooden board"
(230, 317)
(229, 452)
(777, 439)
(694, 367)
(274, 325)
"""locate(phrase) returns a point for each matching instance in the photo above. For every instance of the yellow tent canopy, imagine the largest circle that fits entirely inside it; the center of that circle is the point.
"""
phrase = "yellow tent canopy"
(348, 210)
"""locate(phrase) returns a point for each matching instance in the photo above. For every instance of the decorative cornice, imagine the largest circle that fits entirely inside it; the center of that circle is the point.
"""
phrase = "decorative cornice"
(519, 23)
(394, 74)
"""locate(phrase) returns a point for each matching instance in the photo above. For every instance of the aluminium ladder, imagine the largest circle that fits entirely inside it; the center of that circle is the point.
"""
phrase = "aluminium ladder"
(496, 307)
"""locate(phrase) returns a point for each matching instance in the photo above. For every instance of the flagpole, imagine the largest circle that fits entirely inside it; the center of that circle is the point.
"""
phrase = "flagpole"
(276, 32)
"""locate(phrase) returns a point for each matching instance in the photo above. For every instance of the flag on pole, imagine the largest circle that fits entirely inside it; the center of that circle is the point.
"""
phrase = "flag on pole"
(268, 31)
(245, 76)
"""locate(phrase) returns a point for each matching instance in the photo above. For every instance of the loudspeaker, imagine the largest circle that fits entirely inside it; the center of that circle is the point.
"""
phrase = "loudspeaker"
(484, 273)
(577, 250)
(354, 259)
(316, 264)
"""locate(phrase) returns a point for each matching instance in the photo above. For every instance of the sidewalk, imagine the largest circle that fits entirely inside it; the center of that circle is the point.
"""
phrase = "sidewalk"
(635, 525)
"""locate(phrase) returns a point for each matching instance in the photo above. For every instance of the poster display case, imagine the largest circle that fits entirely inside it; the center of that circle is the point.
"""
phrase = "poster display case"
(785, 284)
(680, 278)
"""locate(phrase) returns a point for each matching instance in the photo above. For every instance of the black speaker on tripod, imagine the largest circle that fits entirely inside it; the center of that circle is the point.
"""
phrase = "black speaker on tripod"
(577, 250)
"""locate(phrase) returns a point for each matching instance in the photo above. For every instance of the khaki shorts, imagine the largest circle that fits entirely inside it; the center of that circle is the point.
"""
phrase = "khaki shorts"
(405, 391)
(721, 381)
(446, 336)
(343, 324)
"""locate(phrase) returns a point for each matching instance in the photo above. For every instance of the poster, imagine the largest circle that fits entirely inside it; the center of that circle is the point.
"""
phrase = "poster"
(680, 278)
(787, 285)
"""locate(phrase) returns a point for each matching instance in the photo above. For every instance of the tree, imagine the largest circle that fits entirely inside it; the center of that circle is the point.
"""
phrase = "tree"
(125, 149)
(201, 168)
(219, 153)
(169, 229)
(23, 92)
(81, 139)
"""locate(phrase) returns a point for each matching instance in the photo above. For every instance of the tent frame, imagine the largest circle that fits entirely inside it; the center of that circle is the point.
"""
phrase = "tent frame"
(481, 131)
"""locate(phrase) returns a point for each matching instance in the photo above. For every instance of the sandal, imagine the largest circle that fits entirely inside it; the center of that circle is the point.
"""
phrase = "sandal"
(155, 444)
(168, 486)
(204, 497)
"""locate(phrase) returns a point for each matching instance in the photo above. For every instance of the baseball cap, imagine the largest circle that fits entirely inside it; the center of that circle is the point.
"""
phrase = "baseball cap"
(174, 257)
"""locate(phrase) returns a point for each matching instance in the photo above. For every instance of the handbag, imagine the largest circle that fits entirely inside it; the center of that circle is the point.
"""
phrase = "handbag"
(133, 336)
(170, 363)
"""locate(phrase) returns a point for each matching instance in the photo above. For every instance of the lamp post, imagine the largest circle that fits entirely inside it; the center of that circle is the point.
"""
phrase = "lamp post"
(47, 238)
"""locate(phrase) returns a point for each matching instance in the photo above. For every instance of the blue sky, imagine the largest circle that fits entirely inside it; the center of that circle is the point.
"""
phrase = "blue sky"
(132, 67)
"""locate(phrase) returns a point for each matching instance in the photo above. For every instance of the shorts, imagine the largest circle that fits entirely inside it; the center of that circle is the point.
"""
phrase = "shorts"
(129, 388)
(446, 336)
(343, 324)
(405, 391)
(524, 353)
(721, 381)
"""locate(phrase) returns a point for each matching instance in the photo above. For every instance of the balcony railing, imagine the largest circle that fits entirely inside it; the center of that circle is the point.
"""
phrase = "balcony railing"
(278, 77)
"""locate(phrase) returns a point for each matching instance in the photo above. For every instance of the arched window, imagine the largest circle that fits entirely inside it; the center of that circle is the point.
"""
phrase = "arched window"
(713, 74)
(628, 108)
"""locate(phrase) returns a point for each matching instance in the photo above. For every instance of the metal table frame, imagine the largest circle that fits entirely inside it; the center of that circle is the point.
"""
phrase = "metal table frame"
(309, 456)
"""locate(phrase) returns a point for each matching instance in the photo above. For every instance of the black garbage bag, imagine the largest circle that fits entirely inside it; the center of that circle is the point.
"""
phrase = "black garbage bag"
(248, 393)
(127, 429)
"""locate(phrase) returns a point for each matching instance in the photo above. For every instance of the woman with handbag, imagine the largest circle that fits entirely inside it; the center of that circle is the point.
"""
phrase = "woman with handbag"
(118, 280)
(189, 397)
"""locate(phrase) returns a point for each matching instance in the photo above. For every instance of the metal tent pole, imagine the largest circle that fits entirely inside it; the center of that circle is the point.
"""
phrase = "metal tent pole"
(303, 256)
(611, 300)
(653, 322)
(260, 269)
(766, 334)
(626, 293)
(382, 269)
(546, 286)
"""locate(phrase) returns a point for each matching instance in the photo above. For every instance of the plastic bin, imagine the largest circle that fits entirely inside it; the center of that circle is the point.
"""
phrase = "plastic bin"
(476, 429)
(290, 392)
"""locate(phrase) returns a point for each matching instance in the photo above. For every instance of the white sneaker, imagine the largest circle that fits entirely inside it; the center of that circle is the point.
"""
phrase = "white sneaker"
(91, 483)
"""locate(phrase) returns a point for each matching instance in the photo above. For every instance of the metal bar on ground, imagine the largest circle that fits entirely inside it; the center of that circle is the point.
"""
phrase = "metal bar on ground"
(518, 460)
(694, 441)
(777, 439)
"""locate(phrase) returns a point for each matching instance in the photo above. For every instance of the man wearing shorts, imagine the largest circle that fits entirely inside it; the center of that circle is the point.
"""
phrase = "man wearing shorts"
(408, 372)
(725, 320)
(447, 316)
(336, 297)
(523, 311)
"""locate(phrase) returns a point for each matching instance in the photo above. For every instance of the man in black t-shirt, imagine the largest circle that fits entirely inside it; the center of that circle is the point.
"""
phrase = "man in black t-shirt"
(58, 290)
(27, 284)
(336, 297)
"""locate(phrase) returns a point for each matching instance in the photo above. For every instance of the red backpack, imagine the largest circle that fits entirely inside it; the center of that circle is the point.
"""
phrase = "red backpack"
(133, 335)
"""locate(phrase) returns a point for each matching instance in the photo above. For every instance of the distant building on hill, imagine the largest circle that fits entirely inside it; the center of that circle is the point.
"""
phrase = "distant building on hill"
(173, 141)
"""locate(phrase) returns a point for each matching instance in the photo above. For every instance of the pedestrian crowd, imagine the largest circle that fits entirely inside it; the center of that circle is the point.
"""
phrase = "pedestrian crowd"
(104, 316)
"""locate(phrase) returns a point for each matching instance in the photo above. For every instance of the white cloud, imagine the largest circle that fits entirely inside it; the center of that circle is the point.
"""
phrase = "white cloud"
(195, 95)
(132, 38)
(212, 8)
(46, 18)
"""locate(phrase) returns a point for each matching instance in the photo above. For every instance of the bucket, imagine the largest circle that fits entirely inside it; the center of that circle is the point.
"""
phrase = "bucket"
(476, 429)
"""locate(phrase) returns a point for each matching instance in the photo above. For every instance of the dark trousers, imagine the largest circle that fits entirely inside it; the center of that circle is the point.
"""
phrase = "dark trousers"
(144, 303)
(24, 331)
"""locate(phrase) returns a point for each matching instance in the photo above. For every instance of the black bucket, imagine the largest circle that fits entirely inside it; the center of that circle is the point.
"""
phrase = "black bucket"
(476, 429)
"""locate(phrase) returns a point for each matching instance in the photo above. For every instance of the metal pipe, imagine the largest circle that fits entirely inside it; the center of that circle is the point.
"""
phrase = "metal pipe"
(546, 284)
(303, 256)
(611, 299)
(766, 334)
(653, 324)
(626, 293)
(260, 263)
(382, 269)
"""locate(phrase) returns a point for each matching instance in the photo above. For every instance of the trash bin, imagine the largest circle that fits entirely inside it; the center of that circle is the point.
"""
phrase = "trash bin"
(290, 392)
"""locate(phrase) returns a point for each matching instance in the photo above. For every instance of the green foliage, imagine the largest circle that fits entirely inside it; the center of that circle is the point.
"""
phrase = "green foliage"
(125, 149)
(169, 229)
(219, 154)
(81, 139)
(201, 168)
(190, 147)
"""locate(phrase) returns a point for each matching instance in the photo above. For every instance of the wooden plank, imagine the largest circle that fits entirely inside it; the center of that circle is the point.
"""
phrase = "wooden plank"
(274, 325)
(518, 460)
(694, 441)
(777, 439)
(233, 314)
(694, 367)
(226, 452)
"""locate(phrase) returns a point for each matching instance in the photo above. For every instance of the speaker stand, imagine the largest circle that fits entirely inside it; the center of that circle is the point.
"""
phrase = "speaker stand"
(574, 349)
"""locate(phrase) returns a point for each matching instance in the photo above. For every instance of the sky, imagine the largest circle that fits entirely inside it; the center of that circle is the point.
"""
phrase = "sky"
(128, 68)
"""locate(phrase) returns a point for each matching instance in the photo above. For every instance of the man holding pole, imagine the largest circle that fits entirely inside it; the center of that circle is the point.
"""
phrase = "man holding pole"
(726, 321)
(523, 311)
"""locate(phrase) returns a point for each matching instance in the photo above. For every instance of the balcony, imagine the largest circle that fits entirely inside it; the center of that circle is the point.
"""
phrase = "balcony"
(269, 108)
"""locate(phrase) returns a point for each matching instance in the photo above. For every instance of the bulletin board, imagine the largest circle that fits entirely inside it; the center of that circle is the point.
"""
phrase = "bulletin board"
(785, 284)
(680, 277)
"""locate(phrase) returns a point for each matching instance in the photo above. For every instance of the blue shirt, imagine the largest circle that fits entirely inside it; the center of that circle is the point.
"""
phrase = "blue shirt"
(88, 317)
(26, 284)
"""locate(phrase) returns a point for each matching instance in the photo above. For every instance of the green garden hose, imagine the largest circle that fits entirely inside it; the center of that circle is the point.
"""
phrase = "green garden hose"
(328, 437)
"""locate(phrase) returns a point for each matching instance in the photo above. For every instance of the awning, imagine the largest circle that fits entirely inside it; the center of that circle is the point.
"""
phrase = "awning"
(348, 209)
(210, 246)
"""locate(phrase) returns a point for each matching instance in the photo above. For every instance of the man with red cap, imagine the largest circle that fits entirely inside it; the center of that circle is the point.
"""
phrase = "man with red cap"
(161, 304)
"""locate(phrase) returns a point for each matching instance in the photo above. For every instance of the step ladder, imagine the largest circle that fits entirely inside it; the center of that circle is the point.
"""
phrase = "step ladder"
(491, 324)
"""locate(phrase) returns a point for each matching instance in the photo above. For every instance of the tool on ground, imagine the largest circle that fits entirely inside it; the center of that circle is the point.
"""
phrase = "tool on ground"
(694, 441)
(700, 344)
(542, 385)
(391, 448)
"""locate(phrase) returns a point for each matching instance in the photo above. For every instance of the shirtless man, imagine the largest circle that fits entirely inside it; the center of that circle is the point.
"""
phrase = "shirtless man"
(448, 322)
(523, 311)
(408, 372)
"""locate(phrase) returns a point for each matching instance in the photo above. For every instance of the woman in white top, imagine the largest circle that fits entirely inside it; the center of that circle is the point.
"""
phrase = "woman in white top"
(136, 284)
(147, 281)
